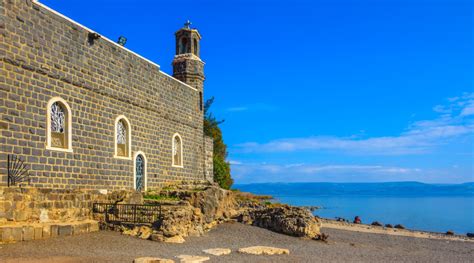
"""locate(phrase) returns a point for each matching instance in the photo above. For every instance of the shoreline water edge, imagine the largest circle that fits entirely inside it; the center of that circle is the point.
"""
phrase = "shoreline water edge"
(392, 207)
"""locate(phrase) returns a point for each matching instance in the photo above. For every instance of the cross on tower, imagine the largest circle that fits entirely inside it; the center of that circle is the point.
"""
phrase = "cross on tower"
(187, 24)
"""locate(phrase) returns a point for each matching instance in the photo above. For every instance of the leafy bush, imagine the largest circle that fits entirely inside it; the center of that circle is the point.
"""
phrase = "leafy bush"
(222, 172)
(221, 166)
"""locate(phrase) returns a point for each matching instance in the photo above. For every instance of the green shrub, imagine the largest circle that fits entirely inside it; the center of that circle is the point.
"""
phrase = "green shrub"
(221, 166)
(222, 172)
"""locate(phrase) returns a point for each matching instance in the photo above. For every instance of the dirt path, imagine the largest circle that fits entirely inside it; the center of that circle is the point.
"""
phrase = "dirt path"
(344, 246)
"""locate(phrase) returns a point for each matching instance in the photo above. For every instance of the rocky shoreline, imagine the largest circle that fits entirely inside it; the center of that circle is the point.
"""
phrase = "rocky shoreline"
(193, 209)
(378, 227)
(365, 228)
(217, 225)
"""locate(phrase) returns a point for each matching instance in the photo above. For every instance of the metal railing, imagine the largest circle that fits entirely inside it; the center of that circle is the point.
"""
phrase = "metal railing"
(129, 213)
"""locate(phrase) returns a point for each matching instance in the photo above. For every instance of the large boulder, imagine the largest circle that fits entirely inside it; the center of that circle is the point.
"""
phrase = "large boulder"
(215, 203)
(400, 226)
(199, 210)
(376, 223)
(178, 220)
(293, 221)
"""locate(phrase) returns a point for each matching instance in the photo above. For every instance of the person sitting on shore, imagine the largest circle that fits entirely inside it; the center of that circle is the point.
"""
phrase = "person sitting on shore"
(357, 220)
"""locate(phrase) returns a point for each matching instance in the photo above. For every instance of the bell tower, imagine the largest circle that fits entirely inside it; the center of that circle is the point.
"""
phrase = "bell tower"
(187, 65)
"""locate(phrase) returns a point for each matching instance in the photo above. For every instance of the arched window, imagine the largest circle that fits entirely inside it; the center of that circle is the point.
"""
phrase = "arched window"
(200, 101)
(139, 171)
(123, 138)
(184, 46)
(195, 44)
(177, 151)
(58, 125)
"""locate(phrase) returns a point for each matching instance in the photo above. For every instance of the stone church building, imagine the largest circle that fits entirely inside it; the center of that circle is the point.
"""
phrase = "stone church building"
(83, 112)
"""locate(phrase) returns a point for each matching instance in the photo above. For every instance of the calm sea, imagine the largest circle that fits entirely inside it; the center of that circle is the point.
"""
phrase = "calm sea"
(415, 205)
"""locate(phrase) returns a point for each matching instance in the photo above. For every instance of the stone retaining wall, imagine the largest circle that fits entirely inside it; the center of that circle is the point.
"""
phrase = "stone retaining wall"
(37, 213)
(33, 205)
(25, 232)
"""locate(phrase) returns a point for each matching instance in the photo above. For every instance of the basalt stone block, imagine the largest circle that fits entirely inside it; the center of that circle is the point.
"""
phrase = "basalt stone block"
(5, 206)
(54, 231)
(11, 234)
(5, 234)
(65, 230)
(80, 228)
(94, 227)
(46, 231)
(22, 215)
(17, 233)
(28, 233)
(38, 233)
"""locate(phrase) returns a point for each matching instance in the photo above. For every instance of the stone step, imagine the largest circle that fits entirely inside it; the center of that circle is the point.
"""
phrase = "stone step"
(16, 232)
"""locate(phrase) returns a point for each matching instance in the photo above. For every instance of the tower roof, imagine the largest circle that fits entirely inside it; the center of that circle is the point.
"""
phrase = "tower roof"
(187, 28)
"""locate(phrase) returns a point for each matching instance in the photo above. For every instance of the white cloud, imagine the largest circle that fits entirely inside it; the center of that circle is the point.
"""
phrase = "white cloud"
(420, 137)
(463, 104)
(469, 109)
(313, 172)
(315, 169)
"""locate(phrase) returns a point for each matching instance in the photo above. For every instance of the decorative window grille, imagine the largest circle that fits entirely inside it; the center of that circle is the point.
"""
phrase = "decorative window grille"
(139, 172)
(57, 118)
(58, 131)
(121, 140)
(59, 125)
(121, 133)
(177, 151)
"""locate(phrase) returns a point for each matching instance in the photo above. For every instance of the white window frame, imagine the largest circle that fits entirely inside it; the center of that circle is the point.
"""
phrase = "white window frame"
(129, 138)
(68, 125)
(180, 151)
(145, 171)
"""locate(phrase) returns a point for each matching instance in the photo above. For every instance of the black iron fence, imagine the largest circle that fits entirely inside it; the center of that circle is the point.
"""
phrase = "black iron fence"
(129, 213)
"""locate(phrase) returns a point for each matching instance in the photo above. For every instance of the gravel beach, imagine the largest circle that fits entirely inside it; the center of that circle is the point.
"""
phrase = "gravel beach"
(343, 246)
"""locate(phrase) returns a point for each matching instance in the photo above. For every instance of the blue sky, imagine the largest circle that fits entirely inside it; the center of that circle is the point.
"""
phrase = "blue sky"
(328, 90)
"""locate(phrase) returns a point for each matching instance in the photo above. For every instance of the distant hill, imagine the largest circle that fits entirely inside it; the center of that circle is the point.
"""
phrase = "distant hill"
(359, 189)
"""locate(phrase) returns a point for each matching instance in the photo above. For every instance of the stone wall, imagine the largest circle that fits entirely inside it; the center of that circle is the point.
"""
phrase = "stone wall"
(208, 161)
(33, 213)
(44, 55)
(36, 205)
(26, 232)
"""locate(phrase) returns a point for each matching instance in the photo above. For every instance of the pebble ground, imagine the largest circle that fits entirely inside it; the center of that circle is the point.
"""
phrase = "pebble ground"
(343, 246)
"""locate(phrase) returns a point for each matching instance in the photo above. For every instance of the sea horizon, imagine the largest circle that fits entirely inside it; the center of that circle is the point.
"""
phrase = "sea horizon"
(361, 182)
(416, 205)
